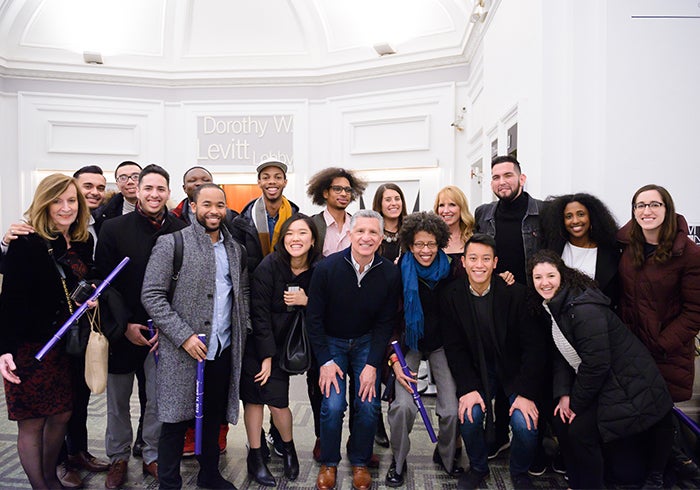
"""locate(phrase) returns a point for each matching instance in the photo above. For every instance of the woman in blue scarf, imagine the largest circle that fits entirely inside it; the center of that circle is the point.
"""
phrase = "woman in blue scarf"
(423, 271)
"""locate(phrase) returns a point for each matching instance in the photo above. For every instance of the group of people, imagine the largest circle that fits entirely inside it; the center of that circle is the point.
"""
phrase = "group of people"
(538, 318)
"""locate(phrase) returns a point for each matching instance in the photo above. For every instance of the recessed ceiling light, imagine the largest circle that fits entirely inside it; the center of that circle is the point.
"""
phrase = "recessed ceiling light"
(92, 57)
(384, 48)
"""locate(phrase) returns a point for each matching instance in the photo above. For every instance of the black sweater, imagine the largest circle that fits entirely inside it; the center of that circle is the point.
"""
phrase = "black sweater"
(340, 307)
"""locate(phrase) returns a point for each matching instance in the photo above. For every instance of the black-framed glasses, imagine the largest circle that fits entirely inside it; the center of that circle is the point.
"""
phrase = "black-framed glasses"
(340, 189)
(124, 178)
(639, 206)
(422, 245)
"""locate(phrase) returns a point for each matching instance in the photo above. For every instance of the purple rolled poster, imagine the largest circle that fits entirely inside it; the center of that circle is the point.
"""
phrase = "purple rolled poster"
(81, 310)
(416, 396)
(152, 331)
(199, 402)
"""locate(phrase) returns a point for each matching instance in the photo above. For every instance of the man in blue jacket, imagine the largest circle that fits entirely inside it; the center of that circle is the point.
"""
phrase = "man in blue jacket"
(353, 301)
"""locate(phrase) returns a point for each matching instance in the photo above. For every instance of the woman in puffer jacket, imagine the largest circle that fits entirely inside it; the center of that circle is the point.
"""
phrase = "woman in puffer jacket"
(606, 384)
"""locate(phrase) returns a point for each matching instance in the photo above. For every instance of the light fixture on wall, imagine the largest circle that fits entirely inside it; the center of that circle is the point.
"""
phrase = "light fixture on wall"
(481, 9)
(384, 49)
(457, 124)
(92, 57)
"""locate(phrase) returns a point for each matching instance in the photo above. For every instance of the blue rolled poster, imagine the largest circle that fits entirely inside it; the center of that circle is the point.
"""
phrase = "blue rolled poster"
(416, 396)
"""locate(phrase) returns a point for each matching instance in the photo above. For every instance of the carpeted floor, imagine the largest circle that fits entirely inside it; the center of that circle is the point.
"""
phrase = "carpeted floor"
(422, 472)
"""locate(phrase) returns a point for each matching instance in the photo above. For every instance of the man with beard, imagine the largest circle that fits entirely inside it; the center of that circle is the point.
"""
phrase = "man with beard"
(514, 222)
(258, 225)
(219, 309)
(126, 176)
(191, 181)
(133, 235)
(335, 188)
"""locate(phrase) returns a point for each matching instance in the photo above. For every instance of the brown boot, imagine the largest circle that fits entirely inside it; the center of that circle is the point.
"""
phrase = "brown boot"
(361, 479)
(326, 477)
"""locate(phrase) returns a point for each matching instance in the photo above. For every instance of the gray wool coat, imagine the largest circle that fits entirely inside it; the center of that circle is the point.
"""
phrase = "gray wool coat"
(191, 312)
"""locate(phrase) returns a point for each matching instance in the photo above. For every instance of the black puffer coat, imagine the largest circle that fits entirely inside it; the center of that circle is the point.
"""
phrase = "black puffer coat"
(616, 369)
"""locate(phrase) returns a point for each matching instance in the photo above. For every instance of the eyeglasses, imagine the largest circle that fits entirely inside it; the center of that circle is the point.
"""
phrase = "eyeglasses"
(422, 245)
(339, 189)
(640, 206)
(124, 178)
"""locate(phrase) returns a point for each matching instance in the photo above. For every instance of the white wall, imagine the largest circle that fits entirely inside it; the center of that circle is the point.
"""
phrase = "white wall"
(605, 102)
(397, 134)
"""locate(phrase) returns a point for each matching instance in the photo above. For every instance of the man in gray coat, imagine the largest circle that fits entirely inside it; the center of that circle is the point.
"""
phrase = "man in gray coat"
(210, 297)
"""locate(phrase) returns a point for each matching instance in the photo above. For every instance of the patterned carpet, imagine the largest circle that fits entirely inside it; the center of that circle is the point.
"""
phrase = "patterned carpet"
(422, 472)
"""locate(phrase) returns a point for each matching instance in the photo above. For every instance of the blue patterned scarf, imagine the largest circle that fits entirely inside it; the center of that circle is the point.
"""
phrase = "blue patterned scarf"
(411, 271)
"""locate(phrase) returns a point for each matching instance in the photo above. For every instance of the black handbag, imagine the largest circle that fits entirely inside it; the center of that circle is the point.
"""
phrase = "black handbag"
(295, 357)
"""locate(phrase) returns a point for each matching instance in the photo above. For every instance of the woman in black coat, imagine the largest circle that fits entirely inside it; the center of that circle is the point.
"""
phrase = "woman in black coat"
(273, 307)
(33, 306)
(581, 229)
(605, 381)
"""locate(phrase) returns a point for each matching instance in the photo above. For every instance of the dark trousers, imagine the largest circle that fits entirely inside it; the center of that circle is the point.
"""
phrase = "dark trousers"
(217, 374)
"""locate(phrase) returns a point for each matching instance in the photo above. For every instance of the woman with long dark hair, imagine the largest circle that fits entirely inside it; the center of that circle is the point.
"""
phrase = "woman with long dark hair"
(273, 306)
(39, 271)
(660, 293)
(581, 229)
(606, 384)
(390, 202)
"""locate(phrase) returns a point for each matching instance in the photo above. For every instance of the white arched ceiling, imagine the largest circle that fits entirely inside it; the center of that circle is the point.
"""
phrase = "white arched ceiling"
(232, 41)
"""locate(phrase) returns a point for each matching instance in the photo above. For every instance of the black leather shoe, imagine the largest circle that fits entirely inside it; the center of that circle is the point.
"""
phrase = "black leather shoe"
(258, 470)
(456, 468)
(290, 459)
(394, 479)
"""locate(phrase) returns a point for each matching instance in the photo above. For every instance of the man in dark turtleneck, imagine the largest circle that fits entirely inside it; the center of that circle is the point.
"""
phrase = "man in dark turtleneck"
(513, 220)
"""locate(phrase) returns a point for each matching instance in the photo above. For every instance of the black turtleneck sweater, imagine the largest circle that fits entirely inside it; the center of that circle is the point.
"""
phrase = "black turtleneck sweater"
(509, 236)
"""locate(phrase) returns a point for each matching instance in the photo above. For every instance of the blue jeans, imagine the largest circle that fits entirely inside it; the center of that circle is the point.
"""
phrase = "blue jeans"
(349, 353)
(523, 444)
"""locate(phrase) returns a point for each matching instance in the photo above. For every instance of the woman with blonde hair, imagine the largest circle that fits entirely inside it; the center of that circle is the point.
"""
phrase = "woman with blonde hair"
(452, 206)
(39, 271)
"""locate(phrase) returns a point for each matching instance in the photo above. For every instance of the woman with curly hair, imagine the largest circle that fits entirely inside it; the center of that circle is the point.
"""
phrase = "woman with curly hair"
(34, 304)
(607, 386)
(660, 293)
(425, 269)
(582, 230)
(391, 204)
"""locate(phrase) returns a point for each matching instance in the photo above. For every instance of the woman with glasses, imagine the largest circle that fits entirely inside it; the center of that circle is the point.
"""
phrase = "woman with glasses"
(660, 292)
(391, 204)
(40, 271)
(583, 231)
(425, 269)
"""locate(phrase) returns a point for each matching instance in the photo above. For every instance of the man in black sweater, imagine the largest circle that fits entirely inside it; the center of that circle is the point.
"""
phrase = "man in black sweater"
(353, 301)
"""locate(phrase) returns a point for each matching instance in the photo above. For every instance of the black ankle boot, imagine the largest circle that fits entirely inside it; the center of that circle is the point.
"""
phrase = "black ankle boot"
(258, 470)
(291, 462)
